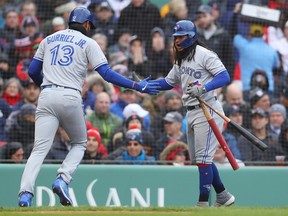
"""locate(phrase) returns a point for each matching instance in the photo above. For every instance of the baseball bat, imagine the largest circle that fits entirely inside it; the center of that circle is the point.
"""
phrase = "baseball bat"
(249, 136)
(219, 137)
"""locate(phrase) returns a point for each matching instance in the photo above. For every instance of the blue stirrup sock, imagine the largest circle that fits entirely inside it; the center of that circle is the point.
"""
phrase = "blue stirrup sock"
(205, 181)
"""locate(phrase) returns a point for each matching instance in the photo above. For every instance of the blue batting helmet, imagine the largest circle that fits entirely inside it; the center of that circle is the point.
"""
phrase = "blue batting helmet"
(186, 27)
(81, 15)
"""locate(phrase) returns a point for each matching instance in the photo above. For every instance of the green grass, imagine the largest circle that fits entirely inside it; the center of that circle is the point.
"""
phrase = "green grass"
(151, 211)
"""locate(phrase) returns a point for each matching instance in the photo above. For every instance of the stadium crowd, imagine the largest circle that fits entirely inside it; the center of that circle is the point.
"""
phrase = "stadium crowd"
(126, 127)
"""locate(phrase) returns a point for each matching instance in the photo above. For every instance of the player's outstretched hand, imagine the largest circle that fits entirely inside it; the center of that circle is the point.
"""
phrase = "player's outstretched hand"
(145, 86)
(195, 90)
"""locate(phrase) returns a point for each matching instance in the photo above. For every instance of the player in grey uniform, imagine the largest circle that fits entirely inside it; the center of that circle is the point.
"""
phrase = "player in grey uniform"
(196, 64)
(64, 57)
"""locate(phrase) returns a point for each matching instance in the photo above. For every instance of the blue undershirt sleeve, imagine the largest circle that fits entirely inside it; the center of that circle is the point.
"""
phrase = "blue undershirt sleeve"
(34, 71)
(163, 84)
(111, 76)
(219, 80)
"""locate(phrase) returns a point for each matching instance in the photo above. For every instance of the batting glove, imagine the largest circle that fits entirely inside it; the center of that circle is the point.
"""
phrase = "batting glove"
(196, 90)
(145, 86)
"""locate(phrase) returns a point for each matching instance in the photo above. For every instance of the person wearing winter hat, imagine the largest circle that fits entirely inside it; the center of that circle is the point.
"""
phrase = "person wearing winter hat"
(118, 138)
(259, 99)
(176, 152)
(135, 153)
(277, 116)
(95, 149)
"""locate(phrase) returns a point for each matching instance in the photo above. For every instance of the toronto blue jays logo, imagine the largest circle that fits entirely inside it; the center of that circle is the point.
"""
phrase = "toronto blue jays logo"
(177, 27)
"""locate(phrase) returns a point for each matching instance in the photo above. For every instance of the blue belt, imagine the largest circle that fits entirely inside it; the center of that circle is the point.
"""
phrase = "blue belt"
(57, 86)
(189, 108)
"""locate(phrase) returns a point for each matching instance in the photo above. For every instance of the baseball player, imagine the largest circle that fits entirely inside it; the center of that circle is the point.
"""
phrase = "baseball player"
(63, 58)
(194, 63)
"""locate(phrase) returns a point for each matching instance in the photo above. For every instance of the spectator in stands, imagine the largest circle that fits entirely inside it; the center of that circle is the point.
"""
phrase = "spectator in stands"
(215, 37)
(5, 69)
(281, 45)
(234, 95)
(232, 142)
(62, 10)
(175, 154)
(235, 113)
(220, 160)
(177, 11)
(28, 36)
(172, 132)
(259, 79)
(5, 111)
(8, 34)
(58, 24)
(134, 108)
(27, 8)
(95, 149)
(172, 102)
(20, 127)
(88, 98)
(106, 22)
(284, 97)
(12, 92)
(13, 152)
(255, 54)
(133, 15)
(138, 60)
(122, 44)
(118, 58)
(125, 97)
(60, 147)
(97, 84)
(259, 99)
(118, 6)
(250, 153)
(118, 139)
(157, 53)
(103, 119)
(102, 41)
(283, 139)
(31, 94)
(277, 117)
(153, 104)
(135, 153)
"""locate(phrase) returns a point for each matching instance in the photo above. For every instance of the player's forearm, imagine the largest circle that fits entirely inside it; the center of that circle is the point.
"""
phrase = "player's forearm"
(162, 83)
(219, 80)
(111, 76)
(34, 71)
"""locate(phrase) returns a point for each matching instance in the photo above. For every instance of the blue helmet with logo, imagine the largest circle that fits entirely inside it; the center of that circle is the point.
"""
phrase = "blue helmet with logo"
(186, 27)
(81, 15)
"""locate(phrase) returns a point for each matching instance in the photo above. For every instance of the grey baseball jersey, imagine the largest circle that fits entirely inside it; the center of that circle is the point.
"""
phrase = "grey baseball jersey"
(202, 68)
(65, 55)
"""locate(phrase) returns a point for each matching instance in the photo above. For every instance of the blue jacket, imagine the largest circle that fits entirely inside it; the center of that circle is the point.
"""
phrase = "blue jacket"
(125, 158)
(255, 54)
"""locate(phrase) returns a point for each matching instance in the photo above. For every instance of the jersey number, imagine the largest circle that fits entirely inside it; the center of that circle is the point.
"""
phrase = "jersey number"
(67, 54)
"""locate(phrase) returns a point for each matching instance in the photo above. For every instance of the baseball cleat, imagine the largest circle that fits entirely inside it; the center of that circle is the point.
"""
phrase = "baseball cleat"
(60, 187)
(25, 199)
(202, 204)
(224, 199)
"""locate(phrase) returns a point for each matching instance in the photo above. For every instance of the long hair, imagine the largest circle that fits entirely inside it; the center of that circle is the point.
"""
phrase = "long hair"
(190, 52)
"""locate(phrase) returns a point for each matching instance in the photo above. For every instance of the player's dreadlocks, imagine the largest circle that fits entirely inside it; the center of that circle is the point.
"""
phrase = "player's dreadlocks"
(189, 52)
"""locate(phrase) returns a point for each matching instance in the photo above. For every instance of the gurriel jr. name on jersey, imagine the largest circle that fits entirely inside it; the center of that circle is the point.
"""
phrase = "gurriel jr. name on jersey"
(65, 38)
